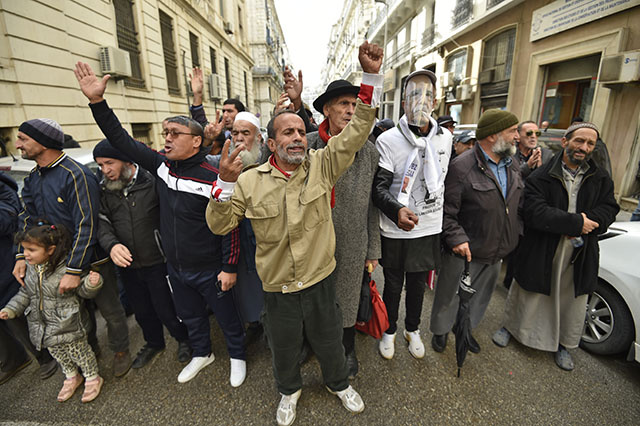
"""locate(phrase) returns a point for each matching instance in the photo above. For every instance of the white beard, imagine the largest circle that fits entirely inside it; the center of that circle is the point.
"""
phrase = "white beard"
(503, 148)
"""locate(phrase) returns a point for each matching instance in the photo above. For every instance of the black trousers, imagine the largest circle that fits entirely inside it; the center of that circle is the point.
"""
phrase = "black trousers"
(108, 301)
(14, 338)
(415, 284)
(150, 297)
(314, 313)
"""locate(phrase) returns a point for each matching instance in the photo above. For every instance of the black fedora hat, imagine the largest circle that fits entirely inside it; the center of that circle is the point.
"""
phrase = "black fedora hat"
(335, 88)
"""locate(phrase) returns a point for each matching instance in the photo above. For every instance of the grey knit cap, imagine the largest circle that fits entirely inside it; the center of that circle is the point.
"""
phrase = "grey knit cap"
(582, 125)
(45, 131)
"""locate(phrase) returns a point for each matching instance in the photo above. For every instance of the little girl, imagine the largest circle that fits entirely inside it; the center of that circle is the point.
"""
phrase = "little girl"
(57, 321)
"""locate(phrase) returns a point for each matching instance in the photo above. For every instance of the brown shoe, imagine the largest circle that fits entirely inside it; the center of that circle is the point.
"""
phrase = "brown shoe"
(121, 363)
(69, 387)
(92, 389)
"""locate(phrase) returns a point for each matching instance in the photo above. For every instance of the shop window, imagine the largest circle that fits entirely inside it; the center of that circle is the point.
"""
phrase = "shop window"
(569, 90)
(128, 40)
(169, 53)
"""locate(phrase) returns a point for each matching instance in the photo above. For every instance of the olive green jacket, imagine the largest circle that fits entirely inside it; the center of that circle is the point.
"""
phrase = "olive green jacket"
(291, 218)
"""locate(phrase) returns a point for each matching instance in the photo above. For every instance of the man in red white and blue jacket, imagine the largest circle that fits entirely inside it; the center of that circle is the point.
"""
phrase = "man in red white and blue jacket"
(201, 265)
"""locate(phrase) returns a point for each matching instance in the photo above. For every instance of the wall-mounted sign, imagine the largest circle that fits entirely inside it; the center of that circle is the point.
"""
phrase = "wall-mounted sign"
(562, 15)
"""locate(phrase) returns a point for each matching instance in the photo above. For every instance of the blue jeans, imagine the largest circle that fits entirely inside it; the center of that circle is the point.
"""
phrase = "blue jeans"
(193, 291)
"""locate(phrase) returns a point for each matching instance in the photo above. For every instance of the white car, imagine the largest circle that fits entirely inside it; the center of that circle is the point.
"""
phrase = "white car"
(19, 168)
(612, 323)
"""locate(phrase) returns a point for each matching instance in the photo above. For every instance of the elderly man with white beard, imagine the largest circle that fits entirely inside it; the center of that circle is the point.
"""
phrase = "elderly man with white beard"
(481, 224)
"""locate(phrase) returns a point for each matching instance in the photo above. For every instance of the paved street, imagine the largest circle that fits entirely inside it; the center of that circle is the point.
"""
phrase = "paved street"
(515, 385)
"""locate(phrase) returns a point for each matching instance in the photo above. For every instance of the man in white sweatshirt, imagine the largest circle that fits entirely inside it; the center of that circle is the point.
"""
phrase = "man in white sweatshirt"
(409, 191)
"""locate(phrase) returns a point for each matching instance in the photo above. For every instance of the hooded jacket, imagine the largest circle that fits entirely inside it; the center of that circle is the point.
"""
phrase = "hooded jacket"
(9, 210)
(183, 188)
(53, 318)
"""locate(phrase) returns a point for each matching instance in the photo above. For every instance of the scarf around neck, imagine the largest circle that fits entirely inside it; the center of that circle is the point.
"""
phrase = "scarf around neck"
(431, 169)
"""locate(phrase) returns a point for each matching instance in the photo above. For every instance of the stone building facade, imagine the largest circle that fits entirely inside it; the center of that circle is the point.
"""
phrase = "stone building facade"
(163, 40)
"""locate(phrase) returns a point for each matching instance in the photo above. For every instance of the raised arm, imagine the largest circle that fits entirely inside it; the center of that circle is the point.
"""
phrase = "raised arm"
(341, 149)
(93, 88)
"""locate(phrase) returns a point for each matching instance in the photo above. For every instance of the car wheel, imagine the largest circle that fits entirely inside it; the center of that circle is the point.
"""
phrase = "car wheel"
(608, 326)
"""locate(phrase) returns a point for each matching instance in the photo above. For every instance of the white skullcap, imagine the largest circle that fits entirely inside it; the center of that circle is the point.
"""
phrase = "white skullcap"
(247, 116)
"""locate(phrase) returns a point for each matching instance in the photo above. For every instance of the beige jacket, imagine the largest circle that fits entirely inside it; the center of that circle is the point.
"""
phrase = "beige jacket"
(291, 218)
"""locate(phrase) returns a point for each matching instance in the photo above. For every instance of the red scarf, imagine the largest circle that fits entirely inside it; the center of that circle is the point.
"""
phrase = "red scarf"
(323, 131)
(272, 161)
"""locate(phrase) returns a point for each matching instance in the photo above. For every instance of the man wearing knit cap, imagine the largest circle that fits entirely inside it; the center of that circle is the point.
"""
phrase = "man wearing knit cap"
(128, 231)
(568, 202)
(409, 191)
(481, 223)
(61, 190)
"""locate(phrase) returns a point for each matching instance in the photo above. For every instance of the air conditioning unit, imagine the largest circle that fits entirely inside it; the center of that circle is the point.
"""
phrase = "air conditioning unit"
(464, 92)
(114, 61)
(486, 76)
(446, 79)
(227, 27)
(621, 68)
(215, 93)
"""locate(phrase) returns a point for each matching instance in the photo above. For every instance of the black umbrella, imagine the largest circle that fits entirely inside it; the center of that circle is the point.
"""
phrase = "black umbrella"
(462, 327)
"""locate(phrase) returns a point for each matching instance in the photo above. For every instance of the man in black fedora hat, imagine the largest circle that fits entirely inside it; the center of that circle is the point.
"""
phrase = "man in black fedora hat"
(352, 207)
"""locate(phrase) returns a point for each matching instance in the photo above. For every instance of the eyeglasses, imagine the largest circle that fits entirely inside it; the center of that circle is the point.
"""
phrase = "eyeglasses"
(531, 132)
(174, 133)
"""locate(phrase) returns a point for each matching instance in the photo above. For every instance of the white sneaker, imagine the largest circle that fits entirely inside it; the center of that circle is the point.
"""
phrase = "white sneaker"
(238, 372)
(193, 368)
(350, 399)
(416, 347)
(387, 345)
(286, 413)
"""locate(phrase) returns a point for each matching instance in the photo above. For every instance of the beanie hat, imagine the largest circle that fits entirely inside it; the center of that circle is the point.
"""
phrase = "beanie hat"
(494, 121)
(105, 149)
(45, 131)
(581, 125)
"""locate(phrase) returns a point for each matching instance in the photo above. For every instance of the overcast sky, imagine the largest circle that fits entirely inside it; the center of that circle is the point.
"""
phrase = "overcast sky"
(306, 25)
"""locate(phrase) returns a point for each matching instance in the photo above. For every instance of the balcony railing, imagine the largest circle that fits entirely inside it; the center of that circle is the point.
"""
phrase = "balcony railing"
(347, 72)
(398, 55)
(429, 36)
(261, 70)
(492, 3)
(462, 13)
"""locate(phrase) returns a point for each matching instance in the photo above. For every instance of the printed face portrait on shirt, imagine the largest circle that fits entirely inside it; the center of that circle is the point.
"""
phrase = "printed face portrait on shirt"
(419, 100)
